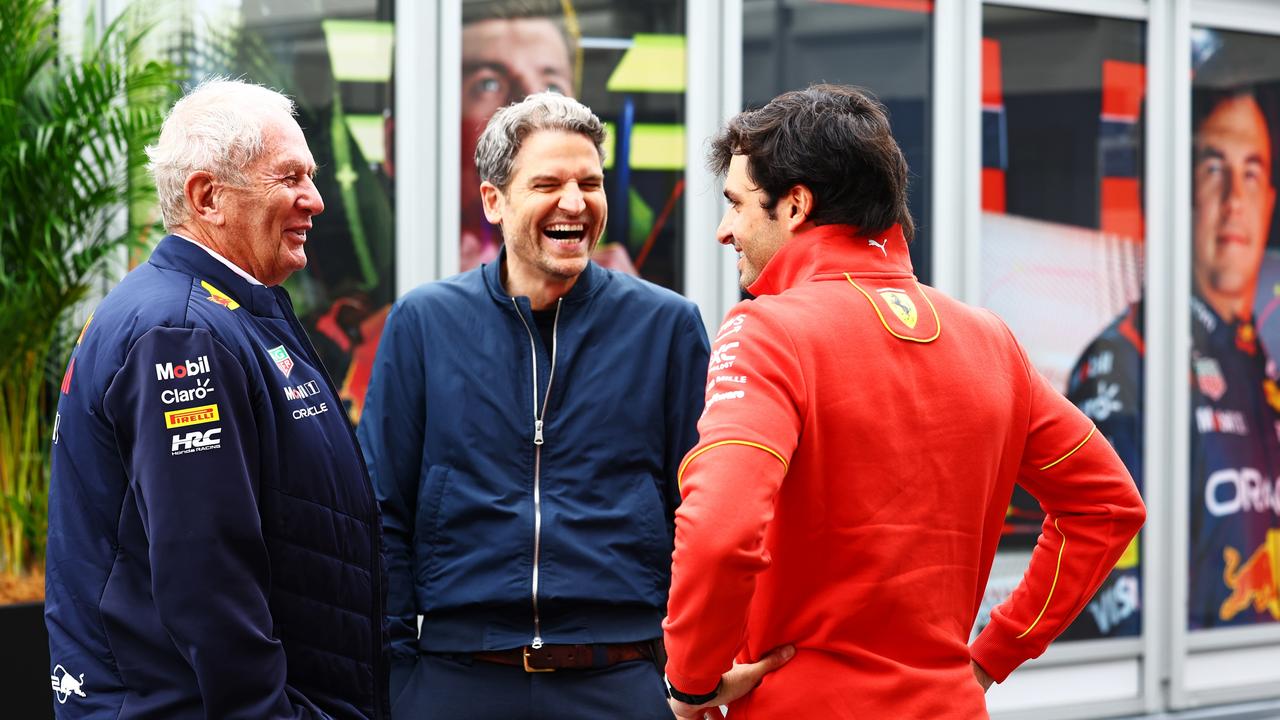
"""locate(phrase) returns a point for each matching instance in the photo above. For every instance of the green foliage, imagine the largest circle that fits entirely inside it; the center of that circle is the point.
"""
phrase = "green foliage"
(72, 139)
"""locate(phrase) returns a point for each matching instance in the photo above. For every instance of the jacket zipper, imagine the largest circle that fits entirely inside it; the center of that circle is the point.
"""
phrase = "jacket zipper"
(538, 416)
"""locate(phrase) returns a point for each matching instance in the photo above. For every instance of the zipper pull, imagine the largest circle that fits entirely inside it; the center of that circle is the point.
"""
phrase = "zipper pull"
(537, 432)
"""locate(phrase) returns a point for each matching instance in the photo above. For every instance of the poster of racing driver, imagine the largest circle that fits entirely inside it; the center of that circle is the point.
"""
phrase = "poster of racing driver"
(1234, 523)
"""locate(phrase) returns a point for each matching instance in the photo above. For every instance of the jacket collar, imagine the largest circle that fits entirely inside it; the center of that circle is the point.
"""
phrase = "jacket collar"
(834, 250)
(592, 279)
(175, 253)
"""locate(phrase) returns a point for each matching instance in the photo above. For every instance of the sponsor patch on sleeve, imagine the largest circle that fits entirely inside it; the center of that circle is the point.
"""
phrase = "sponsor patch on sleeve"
(280, 356)
(191, 416)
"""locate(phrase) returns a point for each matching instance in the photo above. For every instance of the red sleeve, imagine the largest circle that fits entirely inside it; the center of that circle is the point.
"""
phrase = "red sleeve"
(728, 481)
(1092, 511)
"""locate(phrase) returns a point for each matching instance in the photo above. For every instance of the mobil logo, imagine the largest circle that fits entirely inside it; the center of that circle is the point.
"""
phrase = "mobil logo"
(182, 369)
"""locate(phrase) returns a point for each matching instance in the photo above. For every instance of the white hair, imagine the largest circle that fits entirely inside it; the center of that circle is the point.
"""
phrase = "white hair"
(217, 128)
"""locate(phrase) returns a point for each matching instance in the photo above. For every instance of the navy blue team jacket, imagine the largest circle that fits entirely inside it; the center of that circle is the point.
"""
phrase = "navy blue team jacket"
(213, 535)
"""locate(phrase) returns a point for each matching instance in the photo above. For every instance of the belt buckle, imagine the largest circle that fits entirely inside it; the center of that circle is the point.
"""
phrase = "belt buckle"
(530, 669)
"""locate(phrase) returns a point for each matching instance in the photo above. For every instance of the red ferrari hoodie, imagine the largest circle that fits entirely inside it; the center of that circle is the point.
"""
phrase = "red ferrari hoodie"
(861, 439)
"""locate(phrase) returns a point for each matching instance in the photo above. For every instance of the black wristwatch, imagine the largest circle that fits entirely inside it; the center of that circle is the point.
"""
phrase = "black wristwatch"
(693, 699)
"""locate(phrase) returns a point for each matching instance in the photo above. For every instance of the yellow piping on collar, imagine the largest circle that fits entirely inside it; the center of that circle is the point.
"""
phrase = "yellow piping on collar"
(937, 319)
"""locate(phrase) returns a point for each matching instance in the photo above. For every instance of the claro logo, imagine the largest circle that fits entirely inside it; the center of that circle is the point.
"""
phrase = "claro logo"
(1230, 491)
(186, 368)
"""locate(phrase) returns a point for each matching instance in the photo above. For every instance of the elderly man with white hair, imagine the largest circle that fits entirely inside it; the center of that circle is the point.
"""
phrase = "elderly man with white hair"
(213, 534)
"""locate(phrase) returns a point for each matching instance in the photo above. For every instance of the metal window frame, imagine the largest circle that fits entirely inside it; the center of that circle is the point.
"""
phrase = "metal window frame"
(427, 157)
(713, 93)
(1167, 330)
(957, 270)
(428, 138)
(421, 103)
(1251, 16)
(1166, 646)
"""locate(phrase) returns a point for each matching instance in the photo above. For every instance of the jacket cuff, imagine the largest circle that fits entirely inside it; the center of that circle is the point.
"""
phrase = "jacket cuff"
(997, 655)
(692, 684)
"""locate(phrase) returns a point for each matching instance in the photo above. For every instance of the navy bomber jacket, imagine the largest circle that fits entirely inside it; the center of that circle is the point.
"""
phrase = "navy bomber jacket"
(213, 536)
(528, 492)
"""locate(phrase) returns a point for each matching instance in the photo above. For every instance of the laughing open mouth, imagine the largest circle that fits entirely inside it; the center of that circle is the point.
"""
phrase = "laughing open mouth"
(565, 232)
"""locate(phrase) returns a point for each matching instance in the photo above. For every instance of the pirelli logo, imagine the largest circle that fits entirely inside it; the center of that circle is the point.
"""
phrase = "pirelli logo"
(191, 416)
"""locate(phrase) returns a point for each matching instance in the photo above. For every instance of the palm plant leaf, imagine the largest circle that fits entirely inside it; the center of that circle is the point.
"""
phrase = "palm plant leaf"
(72, 139)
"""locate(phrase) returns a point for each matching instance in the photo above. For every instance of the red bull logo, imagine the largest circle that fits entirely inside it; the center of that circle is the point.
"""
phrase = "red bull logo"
(217, 296)
(66, 378)
(1253, 583)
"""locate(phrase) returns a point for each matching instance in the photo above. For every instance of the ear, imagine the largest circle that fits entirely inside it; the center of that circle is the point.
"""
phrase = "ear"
(797, 205)
(492, 198)
(202, 198)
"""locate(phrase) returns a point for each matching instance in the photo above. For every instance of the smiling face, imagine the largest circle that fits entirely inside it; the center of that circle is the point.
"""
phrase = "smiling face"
(752, 231)
(1233, 200)
(552, 212)
(264, 223)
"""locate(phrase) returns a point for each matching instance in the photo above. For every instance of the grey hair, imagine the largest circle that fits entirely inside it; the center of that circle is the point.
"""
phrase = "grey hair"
(500, 143)
(218, 128)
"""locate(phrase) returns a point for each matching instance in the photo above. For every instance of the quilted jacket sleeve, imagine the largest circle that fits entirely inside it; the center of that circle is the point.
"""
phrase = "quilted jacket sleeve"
(194, 471)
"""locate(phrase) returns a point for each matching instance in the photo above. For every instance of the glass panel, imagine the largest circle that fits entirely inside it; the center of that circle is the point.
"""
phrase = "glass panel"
(1063, 246)
(333, 57)
(1234, 552)
(881, 45)
(624, 60)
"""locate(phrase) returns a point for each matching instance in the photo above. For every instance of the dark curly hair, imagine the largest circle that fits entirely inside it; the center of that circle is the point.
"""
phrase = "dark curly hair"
(834, 140)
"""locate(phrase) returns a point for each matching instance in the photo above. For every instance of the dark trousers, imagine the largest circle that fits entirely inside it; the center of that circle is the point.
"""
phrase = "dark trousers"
(460, 688)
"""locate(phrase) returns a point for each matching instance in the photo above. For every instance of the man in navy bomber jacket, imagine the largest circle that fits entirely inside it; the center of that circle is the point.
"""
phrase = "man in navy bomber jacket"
(213, 536)
(523, 428)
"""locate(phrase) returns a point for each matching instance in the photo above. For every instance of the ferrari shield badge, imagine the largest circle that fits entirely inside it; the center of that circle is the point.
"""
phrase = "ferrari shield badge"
(901, 305)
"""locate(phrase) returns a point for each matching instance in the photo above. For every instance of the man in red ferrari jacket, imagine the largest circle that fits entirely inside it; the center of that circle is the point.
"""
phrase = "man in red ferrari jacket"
(861, 439)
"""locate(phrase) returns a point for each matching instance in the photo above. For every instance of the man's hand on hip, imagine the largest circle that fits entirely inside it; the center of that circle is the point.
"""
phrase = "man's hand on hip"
(981, 675)
(740, 680)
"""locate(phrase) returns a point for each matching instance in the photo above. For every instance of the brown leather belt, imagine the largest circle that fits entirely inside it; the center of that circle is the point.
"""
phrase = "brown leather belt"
(567, 657)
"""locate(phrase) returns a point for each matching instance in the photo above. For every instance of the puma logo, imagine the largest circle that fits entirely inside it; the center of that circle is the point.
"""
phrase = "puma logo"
(881, 244)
